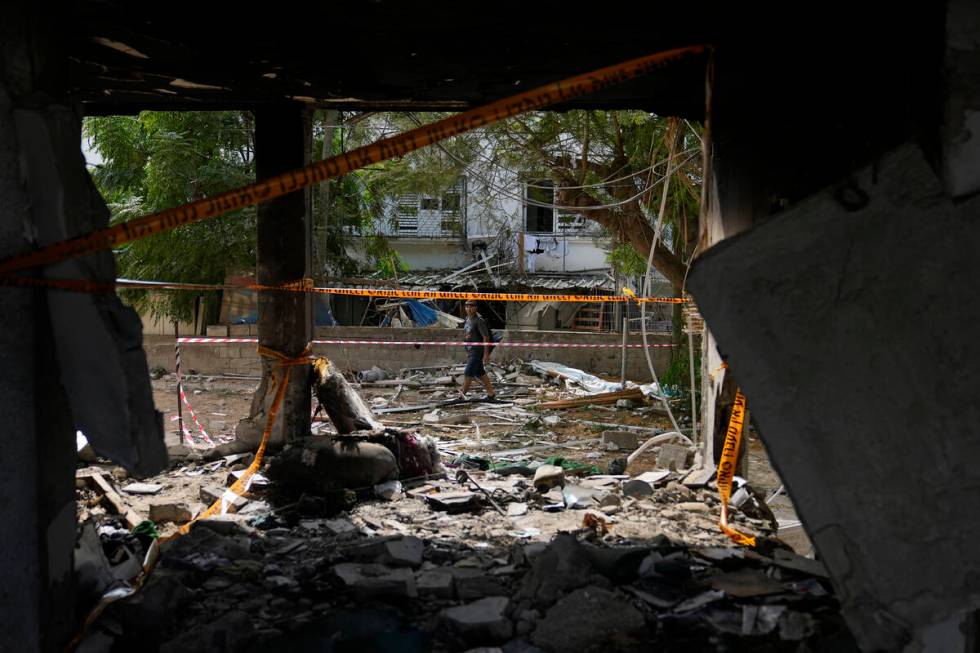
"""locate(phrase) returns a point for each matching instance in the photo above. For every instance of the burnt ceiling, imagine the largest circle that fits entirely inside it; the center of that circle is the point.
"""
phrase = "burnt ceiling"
(127, 56)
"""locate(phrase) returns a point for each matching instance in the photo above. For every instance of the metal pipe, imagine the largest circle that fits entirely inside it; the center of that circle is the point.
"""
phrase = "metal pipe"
(622, 375)
(180, 408)
(690, 351)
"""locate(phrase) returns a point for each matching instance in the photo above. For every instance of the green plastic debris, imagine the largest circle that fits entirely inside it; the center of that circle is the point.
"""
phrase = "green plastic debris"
(146, 528)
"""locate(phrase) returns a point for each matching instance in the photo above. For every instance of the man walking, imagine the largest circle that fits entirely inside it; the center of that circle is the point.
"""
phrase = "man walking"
(475, 330)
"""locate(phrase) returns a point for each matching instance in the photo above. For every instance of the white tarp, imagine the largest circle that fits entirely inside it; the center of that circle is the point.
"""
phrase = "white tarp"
(589, 383)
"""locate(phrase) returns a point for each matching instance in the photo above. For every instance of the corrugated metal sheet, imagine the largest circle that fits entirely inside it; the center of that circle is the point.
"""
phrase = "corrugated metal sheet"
(480, 279)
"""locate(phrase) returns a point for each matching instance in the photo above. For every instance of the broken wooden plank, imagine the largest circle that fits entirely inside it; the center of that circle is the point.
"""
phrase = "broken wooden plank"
(620, 427)
(602, 398)
(118, 504)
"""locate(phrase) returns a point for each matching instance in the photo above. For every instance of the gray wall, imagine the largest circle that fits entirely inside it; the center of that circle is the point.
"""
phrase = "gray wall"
(242, 358)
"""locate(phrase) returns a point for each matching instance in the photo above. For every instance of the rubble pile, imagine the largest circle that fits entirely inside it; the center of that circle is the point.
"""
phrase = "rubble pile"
(225, 586)
(498, 526)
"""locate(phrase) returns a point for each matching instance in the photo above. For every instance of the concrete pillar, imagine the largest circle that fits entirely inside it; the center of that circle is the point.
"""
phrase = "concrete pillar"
(37, 506)
(281, 137)
(731, 199)
(961, 121)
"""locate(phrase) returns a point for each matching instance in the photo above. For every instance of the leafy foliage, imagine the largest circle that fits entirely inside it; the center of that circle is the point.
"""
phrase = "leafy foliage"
(606, 166)
(158, 160)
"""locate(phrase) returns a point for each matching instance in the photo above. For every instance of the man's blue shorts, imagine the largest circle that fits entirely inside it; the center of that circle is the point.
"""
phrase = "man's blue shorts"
(474, 363)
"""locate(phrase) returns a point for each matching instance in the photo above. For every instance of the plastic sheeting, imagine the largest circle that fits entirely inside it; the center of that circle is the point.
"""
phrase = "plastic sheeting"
(590, 384)
(421, 314)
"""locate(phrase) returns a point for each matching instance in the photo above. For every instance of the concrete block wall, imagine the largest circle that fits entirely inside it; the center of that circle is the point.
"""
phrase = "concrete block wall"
(241, 358)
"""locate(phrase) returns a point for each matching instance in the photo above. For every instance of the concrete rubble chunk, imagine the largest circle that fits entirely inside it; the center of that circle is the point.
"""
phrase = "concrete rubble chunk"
(622, 440)
(371, 580)
(609, 500)
(589, 619)
(637, 489)
(674, 457)
(436, 583)
(473, 584)
(694, 506)
(482, 621)
(170, 512)
(399, 551)
(654, 477)
(404, 552)
(548, 476)
(561, 566)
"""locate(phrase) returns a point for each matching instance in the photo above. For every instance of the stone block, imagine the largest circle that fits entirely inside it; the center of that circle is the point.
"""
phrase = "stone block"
(217, 331)
(170, 512)
(674, 457)
(547, 477)
(482, 621)
(435, 583)
(623, 440)
(370, 580)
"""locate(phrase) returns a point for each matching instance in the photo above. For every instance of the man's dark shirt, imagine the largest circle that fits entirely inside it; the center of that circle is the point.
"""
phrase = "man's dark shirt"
(475, 329)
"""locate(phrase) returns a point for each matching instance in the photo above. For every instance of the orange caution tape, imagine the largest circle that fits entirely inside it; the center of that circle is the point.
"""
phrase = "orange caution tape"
(243, 484)
(342, 164)
(306, 285)
(726, 469)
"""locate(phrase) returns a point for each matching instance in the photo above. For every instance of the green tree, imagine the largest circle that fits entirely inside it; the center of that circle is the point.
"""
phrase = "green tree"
(158, 160)
(609, 167)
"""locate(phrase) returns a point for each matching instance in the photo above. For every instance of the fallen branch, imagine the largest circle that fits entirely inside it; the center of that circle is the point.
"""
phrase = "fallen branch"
(601, 398)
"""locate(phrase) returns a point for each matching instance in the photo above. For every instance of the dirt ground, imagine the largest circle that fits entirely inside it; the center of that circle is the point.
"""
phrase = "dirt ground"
(496, 431)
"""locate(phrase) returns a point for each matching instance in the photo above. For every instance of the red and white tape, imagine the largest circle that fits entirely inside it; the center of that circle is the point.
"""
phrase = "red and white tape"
(434, 343)
(200, 428)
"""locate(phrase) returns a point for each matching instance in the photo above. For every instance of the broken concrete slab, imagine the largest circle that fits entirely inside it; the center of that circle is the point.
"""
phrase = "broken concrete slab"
(142, 488)
(396, 551)
(674, 457)
(698, 478)
(654, 477)
(561, 566)
(370, 580)
(473, 584)
(436, 583)
(482, 621)
(622, 440)
(807, 323)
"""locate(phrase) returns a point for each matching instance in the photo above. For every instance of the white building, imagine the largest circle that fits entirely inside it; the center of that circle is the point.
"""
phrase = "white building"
(493, 231)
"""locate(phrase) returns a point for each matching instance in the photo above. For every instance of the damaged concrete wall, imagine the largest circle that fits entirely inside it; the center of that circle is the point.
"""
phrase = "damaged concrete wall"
(243, 359)
(69, 360)
(849, 323)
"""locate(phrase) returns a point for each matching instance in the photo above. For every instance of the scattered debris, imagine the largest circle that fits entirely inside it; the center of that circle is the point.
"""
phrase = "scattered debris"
(513, 528)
